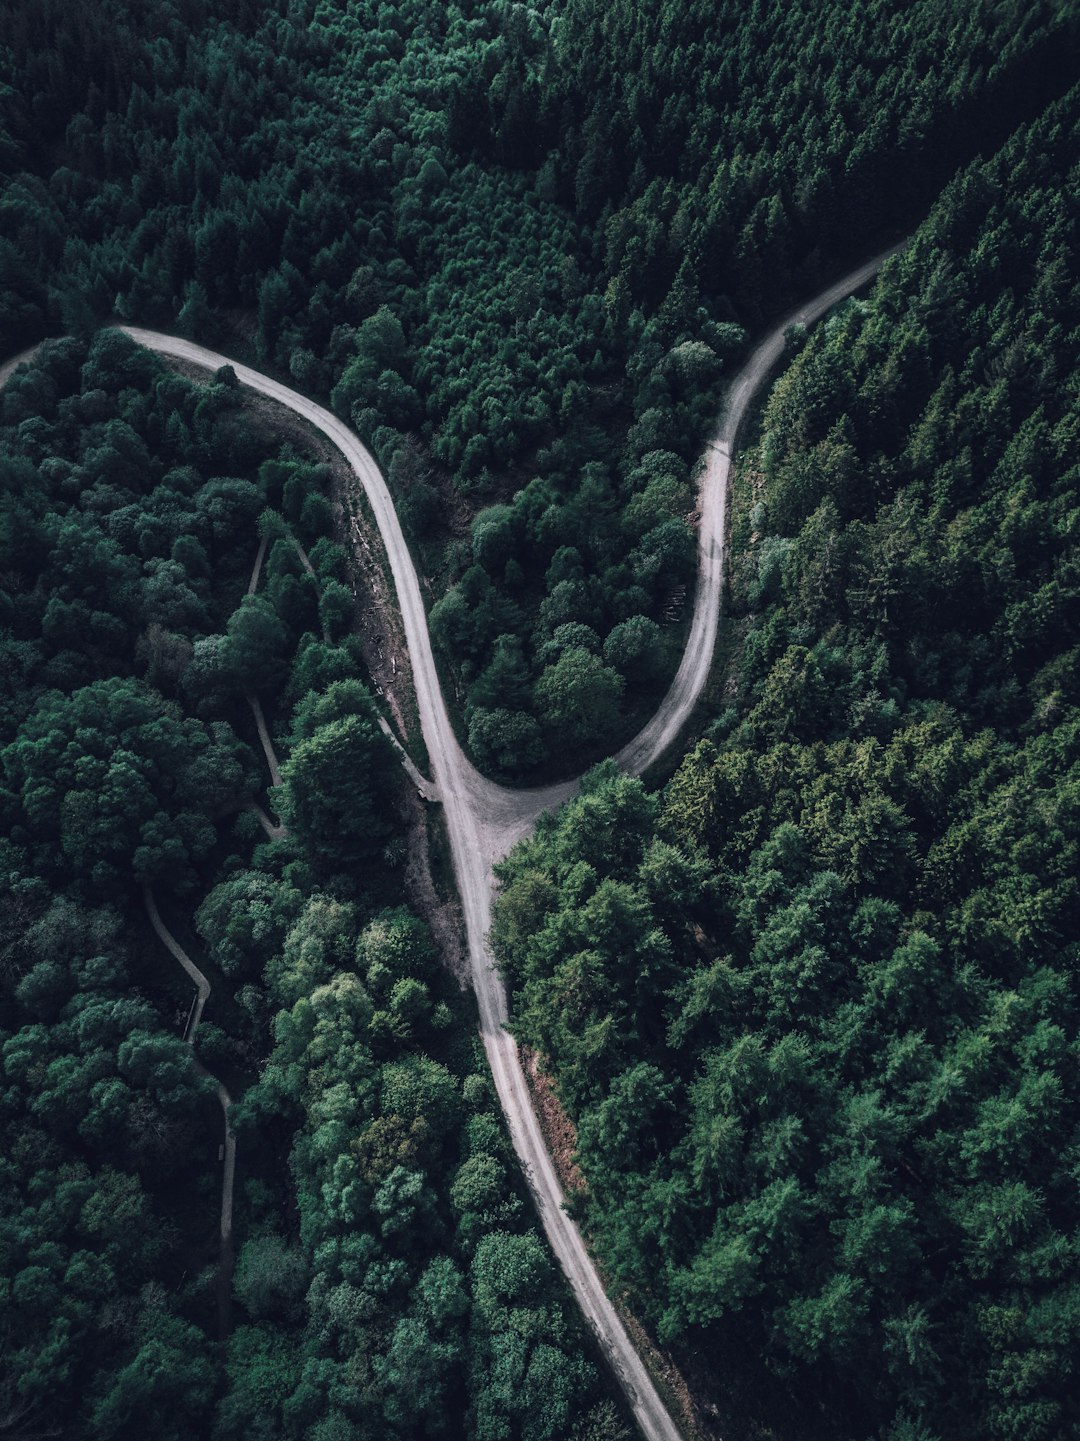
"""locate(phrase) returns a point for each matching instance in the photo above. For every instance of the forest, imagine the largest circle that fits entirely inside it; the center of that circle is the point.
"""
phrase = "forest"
(386, 1279)
(429, 215)
(813, 1004)
(810, 1002)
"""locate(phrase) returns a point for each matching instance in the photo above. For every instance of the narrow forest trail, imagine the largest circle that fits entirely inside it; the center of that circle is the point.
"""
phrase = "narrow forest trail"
(484, 819)
(274, 832)
(228, 1174)
(264, 739)
(256, 569)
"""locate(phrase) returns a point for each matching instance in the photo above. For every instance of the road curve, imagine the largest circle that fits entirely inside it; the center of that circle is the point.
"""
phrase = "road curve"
(674, 711)
(476, 818)
(9, 367)
(484, 819)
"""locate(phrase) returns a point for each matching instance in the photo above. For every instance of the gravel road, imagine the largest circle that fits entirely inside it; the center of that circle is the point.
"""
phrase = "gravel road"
(484, 819)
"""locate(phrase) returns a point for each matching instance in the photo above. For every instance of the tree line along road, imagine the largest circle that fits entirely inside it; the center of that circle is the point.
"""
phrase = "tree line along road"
(485, 819)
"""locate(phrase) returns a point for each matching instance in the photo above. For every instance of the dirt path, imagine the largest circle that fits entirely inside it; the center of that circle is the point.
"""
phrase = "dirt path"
(653, 739)
(428, 791)
(273, 832)
(305, 562)
(484, 819)
(202, 985)
(264, 739)
(228, 1174)
(9, 367)
(256, 569)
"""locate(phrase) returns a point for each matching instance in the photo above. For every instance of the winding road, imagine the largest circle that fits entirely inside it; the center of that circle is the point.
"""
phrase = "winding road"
(485, 819)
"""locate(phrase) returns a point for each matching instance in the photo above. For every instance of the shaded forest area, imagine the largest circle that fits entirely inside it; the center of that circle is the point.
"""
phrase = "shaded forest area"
(387, 1279)
(517, 247)
(811, 1006)
(814, 1006)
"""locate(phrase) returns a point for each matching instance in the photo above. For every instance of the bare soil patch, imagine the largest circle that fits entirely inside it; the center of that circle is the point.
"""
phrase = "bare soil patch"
(376, 618)
(442, 913)
(560, 1133)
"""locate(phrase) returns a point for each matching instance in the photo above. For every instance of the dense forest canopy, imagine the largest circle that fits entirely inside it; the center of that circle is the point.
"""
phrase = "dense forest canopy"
(517, 246)
(811, 1005)
(814, 1006)
(387, 1281)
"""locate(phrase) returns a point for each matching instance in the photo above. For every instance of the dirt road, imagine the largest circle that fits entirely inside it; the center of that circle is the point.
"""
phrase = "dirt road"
(674, 710)
(484, 819)
(9, 367)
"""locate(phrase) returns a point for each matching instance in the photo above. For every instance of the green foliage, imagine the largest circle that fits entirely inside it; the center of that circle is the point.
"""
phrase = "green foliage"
(120, 782)
(244, 920)
(315, 948)
(816, 1032)
(339, 782)
(100, 1111)
(633, 648)
(811, 1008)
(271, 1279)
(167, 1384)
(254, 650)
(505, 741)
(579, 698)
(383, 1115)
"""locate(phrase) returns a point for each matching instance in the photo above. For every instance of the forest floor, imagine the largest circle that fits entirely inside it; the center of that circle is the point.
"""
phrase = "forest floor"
(559, 1130)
